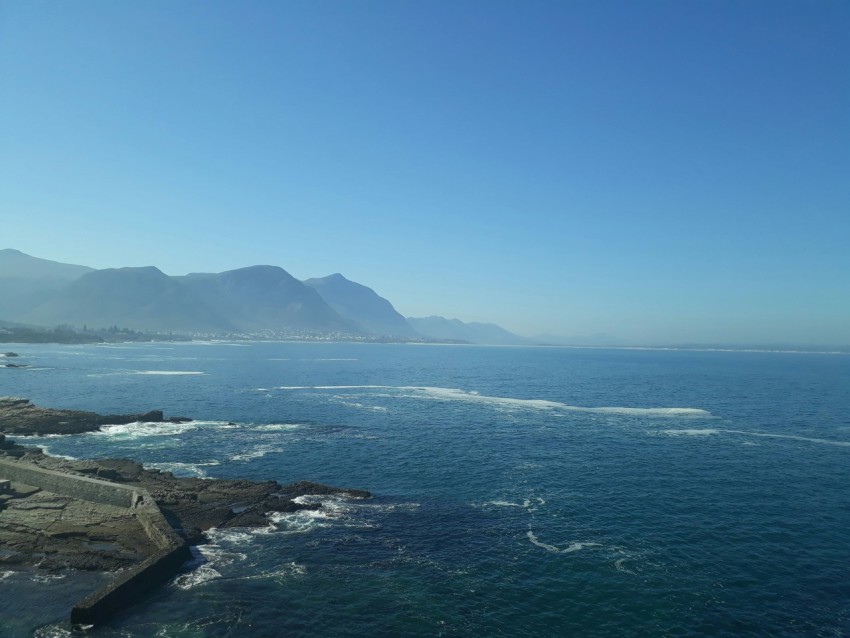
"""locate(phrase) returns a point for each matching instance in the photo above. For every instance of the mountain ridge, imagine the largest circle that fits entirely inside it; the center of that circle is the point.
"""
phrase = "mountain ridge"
(261, 300)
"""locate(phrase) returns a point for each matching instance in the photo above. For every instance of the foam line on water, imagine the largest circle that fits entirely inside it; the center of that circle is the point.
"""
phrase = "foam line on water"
(54, 631)
(170, 373)
(569, 549)
(792, 437)
(769, 435)
(507, 504)
(363, 406)
(456, 394)
(692, 432)
(256, 453)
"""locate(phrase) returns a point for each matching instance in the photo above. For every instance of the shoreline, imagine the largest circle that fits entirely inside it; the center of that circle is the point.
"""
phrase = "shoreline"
(114, 515)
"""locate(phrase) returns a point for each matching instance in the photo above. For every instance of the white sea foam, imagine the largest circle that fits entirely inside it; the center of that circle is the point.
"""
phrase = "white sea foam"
(334, 511)
(572, 547)
(389, 507)
(6, 574)
(455, 394)
(46, 578)
(339, 387)
(47, 451)
(140, 429)
(363, 406)
(257, 453)
(198, 576)
(170, 372)
(300, 522)
(507, 504)
(184, 469)
(526, 504)
(770, 435)
(53, 631)
(281, 573)
(287, 570)
(206, 560)
(230, 536)
(704, 432)
(792, 437)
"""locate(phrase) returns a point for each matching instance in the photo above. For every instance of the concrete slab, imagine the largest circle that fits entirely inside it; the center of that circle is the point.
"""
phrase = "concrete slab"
(20, 490)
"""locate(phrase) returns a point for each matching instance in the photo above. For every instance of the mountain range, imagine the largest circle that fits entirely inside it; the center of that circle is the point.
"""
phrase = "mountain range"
(259, 300)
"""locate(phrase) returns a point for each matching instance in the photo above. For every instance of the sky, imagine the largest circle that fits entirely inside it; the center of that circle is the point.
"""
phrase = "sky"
(660, 171)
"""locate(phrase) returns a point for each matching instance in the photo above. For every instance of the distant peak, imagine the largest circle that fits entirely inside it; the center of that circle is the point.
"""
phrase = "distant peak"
(335, 278)
(257, 268)
(146, 270)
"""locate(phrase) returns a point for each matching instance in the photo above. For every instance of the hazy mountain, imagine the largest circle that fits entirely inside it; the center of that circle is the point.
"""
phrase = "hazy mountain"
(18, 265)
(362, 305)
(265, 297)
(137, 298)
(26, 282)
(474, 332)
(253, 299)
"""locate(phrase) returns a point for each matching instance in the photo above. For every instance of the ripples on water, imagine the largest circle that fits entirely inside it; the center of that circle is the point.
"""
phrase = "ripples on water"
(531, 492)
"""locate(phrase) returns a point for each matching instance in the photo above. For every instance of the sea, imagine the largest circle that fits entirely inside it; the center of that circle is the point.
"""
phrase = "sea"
(516, 491)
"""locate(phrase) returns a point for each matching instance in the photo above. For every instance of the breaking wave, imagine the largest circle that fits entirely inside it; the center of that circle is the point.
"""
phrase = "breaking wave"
(179, 468)
(141, 429)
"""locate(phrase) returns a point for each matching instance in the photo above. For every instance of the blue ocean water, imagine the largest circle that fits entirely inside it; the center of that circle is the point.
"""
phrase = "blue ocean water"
(518, 491)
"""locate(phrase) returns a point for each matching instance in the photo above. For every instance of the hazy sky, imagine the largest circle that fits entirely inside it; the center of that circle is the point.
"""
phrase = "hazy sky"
(661, 171)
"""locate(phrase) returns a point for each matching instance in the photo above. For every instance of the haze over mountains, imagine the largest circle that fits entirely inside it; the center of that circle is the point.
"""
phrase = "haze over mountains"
(260, 300)
(362, 305)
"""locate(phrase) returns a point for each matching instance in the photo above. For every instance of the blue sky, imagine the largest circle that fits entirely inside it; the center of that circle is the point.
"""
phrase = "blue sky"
(661, 171)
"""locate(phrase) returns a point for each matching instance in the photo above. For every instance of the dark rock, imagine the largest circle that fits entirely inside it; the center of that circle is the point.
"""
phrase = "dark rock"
(301, 488)
(11, 354)
(19, 416)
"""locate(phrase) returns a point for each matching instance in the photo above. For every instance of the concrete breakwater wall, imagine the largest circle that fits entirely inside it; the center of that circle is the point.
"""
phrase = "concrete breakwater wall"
(157, 569)
(71, 485)
(126, 589)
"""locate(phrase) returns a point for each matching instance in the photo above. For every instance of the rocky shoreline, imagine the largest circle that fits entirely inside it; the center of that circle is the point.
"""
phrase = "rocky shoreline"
(19, 416)
(61, 529)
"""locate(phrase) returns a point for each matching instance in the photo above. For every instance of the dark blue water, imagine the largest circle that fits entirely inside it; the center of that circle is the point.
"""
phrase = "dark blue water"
(518, 491)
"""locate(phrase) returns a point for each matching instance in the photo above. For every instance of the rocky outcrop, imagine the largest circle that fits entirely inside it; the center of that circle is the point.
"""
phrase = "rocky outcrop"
(139, 523)
(114, 514)
(38, 533)
(19, 416)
